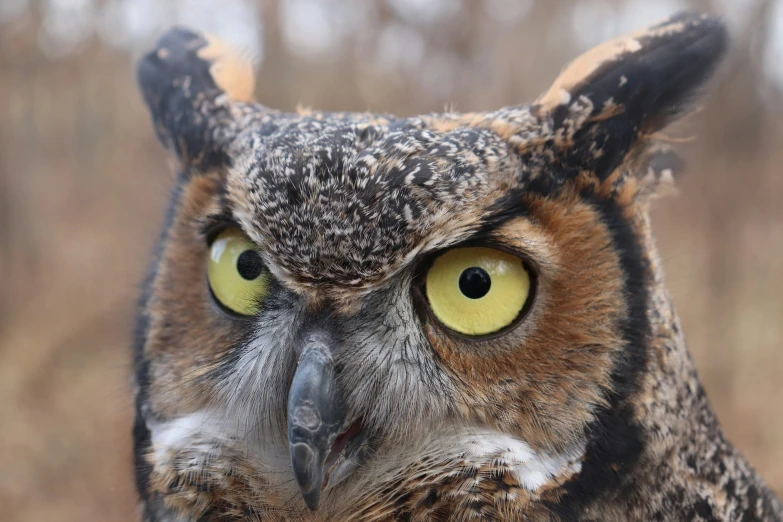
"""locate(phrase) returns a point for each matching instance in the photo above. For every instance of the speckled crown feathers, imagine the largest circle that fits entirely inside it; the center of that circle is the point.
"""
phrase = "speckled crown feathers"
(320, 179)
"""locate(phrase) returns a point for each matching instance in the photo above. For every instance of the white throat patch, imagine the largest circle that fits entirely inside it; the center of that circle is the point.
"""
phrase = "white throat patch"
(450, 449)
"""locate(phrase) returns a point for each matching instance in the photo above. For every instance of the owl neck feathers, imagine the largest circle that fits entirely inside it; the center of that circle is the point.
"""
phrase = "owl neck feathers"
(683, 464)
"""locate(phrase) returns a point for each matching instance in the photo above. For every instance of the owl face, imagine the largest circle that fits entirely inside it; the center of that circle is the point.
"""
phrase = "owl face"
(382, 310)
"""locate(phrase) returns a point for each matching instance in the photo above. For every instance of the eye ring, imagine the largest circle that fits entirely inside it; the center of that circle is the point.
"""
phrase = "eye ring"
(424, 309)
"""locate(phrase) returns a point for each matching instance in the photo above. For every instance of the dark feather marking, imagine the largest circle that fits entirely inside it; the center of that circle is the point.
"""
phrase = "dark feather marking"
(615, 441)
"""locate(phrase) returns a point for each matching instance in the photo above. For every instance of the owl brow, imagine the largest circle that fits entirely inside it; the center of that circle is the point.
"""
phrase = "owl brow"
(213, 224)
(490, 240)
(511, 205)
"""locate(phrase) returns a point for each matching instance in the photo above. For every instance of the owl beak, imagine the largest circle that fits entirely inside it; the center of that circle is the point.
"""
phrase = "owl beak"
(316, 415)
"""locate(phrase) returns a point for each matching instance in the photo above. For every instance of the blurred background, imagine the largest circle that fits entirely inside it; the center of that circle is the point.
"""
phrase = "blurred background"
(83, 185)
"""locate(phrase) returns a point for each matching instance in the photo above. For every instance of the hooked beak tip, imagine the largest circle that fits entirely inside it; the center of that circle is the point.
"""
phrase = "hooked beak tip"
(311, 499)
(316, 414)
(309, 473)
(325, 447)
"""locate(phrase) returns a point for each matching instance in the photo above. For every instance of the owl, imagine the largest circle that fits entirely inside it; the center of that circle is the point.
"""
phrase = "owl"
(450, 317)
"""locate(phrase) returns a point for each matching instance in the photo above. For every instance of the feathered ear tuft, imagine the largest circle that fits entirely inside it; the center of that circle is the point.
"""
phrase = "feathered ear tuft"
(231, 72)
(193, 85)
(608, 100)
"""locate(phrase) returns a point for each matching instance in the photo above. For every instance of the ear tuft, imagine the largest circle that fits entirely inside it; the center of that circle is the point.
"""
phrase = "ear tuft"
(651, 74)
(204, 63)
(613, 95)
(231, 72)
(190, 83)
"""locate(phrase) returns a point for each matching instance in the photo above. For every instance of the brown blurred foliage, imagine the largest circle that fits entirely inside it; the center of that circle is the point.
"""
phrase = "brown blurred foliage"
(83, 185)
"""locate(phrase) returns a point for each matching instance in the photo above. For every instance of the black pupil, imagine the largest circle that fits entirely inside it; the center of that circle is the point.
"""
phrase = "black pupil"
(474, 282)
(249, 265)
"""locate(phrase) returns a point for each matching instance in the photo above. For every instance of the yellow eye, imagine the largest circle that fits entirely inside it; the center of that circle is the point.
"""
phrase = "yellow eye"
(477, 291)
(236, 274)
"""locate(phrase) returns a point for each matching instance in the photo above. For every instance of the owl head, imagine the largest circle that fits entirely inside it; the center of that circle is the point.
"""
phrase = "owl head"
(365, 309)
